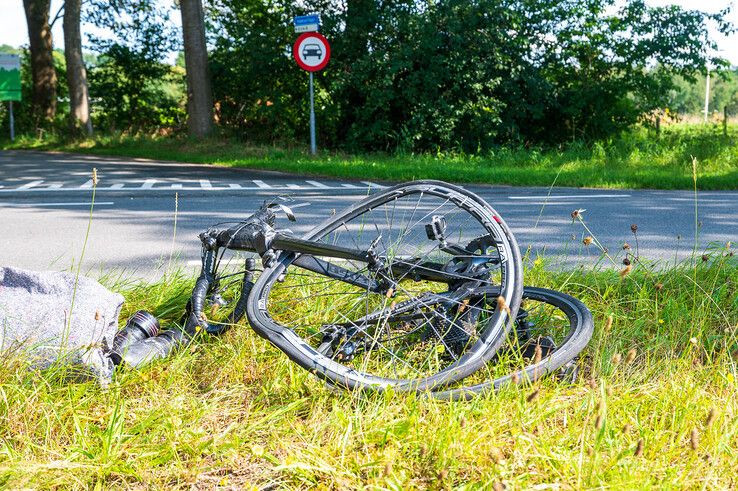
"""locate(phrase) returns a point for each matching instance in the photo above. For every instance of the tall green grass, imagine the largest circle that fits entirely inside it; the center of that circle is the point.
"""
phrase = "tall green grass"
(635, 159)
(655, 406)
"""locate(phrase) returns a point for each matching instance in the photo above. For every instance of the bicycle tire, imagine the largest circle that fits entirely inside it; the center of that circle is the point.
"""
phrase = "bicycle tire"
(581, 330)
(336, 373)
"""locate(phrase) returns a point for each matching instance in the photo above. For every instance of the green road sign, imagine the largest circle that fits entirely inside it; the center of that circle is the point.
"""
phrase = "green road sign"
(10, 79)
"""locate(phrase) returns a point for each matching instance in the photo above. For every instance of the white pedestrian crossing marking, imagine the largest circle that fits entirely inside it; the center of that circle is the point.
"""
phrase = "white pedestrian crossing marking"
(204, 185)
(30, 185)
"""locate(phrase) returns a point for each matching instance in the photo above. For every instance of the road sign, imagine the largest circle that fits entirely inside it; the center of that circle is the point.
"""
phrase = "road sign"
(311, 51)
(10, 79)
(307, 23)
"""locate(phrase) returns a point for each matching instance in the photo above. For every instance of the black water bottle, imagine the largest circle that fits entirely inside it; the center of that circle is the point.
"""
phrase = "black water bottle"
(140, 326)
(154, 348)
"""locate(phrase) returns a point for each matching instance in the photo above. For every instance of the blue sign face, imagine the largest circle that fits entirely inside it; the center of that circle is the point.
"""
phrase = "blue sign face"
(302, 20)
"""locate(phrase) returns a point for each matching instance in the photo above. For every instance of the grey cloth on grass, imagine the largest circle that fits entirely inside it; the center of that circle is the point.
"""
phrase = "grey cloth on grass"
(35, 320)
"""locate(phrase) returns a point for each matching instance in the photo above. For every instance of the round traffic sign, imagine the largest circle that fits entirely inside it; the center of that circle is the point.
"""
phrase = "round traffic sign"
(312, 51)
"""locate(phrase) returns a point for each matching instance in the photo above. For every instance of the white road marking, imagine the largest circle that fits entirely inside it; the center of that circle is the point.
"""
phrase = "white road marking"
(29, 185)
(373, 184)
(571, 196)
(25, 205)
(148, 185)
(205, 184)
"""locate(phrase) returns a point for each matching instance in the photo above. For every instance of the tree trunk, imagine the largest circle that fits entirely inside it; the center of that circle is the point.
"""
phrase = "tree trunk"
(199, 91)
(42, 61)
(79, 105)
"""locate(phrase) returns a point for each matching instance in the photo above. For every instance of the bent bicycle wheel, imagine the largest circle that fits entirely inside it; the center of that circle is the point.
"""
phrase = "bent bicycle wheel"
(551, 329)
(407, 319)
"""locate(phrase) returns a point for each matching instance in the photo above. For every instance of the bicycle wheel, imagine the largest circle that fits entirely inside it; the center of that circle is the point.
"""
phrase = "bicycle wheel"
(551, 329)
(437, 243)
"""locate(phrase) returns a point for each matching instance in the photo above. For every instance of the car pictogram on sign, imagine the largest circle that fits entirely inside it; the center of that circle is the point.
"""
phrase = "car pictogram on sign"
(312, 50)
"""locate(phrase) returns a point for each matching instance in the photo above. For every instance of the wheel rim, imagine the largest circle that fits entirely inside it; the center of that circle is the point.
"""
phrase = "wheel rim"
(296, 313)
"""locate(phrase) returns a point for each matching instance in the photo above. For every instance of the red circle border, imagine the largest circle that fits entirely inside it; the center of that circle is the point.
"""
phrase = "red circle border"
(296, 46)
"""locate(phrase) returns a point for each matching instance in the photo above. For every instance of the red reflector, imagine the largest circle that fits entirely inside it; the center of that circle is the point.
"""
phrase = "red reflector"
(497, 219)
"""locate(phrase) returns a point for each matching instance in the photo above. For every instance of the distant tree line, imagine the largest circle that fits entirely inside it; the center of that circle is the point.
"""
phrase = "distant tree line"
(407, 75)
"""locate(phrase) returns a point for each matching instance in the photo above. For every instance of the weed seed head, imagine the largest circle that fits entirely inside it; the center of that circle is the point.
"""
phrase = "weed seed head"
(442, 474)
(592, 383)
(577, 214)
(694, 439)
(630, 356)
(616, 358)
(423, 450)
(705, 257)
(502, 305)
(538, 355)
(498, 486)
(515, 378)
(639, 448)
(626, 246)
(97, 315)
(94, 176)
(626, 261)
(598, 422)
(659, 286)
(532, 396)
(608, 323)
(387, 469)
(626, 428)
(626, 271)
(710, 417)
(634, 228)
(693, 341)
(587, 240)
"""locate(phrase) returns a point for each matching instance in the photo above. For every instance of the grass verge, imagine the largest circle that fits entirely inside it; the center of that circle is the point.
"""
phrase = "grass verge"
(655, 406)
(637, 159)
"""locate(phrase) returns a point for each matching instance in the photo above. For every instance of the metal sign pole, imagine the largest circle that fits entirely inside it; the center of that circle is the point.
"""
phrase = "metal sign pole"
(12, 121)
(313, 146)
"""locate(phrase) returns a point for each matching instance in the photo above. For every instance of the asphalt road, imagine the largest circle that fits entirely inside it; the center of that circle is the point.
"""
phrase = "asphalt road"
(45, 203)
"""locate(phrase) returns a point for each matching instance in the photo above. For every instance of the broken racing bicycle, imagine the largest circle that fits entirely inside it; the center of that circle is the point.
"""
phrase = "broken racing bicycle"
(418, 287)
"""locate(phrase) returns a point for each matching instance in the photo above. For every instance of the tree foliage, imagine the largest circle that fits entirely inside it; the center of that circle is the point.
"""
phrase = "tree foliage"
(464, 74)
(129, 82)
